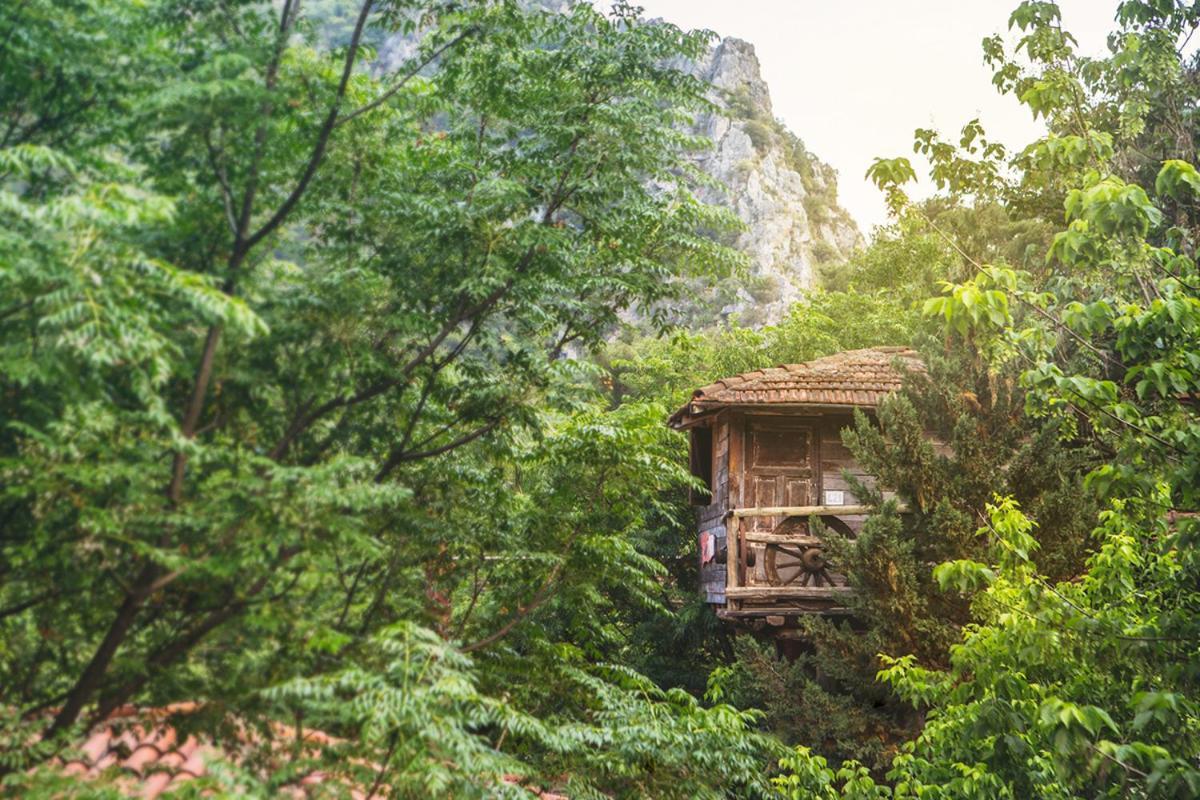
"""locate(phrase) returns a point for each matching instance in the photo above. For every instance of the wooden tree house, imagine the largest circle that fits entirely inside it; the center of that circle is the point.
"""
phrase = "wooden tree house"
(768, 446)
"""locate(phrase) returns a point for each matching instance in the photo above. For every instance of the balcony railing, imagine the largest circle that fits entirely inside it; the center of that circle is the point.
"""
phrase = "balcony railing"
(803, 549)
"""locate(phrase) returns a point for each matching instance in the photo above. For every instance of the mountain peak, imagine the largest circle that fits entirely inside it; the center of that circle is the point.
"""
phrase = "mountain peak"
(734, 66)
(785, 195)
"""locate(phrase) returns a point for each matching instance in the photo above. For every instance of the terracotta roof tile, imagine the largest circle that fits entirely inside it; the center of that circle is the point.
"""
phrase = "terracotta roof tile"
(142, 747)
(852, 378)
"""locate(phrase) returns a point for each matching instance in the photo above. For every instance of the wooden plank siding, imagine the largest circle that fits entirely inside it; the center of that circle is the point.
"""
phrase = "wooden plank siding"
(731, 484)
(836, 460)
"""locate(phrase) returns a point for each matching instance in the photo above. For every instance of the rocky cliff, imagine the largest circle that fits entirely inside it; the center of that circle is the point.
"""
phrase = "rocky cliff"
(786, 196)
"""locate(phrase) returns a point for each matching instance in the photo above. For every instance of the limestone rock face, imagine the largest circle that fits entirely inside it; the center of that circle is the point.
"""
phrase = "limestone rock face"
(733, 66)
(786, 196)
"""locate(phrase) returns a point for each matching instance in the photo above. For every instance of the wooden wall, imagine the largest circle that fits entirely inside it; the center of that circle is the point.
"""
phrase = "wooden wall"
(834, 460)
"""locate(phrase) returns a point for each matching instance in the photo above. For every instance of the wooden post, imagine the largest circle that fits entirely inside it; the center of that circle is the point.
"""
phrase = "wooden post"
(743, 555)
(732, 525)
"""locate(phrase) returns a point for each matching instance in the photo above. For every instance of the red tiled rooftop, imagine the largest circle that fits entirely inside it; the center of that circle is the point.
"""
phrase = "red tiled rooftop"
(147, 756)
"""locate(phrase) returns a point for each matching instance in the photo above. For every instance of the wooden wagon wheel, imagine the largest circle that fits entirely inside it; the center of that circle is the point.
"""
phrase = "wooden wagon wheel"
(787, 564)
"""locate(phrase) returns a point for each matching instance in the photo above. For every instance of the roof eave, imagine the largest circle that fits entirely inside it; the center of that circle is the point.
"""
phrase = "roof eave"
(699, 408)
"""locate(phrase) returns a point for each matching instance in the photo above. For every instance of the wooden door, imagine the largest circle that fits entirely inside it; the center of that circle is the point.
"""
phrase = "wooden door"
(780, 467)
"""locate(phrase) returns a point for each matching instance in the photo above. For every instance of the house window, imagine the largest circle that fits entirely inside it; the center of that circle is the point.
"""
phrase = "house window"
(702, 464)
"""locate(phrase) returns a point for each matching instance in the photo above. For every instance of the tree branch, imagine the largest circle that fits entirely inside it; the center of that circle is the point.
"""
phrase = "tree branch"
(318, 152)
(412, 73)
(222, 181)
(24, 605)
(543, 594)
(399, 457)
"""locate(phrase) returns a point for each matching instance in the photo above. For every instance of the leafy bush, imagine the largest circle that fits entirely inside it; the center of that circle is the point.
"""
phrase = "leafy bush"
(824, 253)
(760, 133)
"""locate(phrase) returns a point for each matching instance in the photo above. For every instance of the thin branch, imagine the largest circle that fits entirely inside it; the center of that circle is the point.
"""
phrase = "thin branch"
(1119, 763)
(194, 409)
(19, 307)
(477, 587)
(1027, 303)
(384, 767)
(415, 416)
(318, 152)
(544, 591)
(25, 605)
(475, 313)
(287, 17)
(543, 594)
(223, 181)
(358, 576)
(412, 73)
(1131, 426)
(399, 457)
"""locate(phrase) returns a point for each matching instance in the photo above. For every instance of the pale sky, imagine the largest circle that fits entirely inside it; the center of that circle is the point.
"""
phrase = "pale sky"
(854, 79)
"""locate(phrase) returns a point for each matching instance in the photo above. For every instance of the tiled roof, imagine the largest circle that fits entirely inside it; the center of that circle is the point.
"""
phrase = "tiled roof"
(149, 758)
(852, 378)
(144, 747)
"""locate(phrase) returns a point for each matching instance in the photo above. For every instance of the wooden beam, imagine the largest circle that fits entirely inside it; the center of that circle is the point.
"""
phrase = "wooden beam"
(793, 611)
(776, 538)
(809, 511)
(788, 592)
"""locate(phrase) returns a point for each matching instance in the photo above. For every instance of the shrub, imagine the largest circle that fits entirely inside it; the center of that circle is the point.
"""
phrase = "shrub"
(759, 132)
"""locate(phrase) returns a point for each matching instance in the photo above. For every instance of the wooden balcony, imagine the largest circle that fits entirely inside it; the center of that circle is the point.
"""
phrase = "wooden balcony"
(775, 575)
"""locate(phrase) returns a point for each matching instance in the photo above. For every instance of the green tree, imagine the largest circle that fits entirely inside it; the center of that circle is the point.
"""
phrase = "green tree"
(1084, 686)
(285, 410)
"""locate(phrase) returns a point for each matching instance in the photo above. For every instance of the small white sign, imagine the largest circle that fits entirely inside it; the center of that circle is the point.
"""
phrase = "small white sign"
(835, 498)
